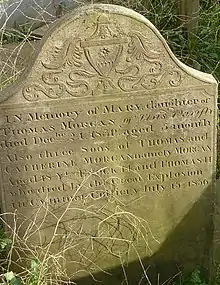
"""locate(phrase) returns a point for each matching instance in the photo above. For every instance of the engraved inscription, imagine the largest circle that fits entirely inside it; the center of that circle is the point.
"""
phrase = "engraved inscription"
(108, 150)
(118, 141)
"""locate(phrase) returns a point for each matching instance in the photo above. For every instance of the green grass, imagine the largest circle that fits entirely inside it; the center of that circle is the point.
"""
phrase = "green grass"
(193, 278)
(203, 51)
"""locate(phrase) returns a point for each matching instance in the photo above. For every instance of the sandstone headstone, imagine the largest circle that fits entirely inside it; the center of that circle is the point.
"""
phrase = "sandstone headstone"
(108, 147)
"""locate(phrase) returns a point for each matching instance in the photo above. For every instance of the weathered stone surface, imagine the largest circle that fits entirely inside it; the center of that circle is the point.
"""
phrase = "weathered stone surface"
(39, 32)
(112, 139)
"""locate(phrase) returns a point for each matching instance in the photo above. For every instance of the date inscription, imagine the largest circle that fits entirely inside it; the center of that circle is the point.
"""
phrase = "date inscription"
(101, 151)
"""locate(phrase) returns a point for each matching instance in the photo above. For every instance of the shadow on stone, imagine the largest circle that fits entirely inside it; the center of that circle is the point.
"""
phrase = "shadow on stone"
(188, 246)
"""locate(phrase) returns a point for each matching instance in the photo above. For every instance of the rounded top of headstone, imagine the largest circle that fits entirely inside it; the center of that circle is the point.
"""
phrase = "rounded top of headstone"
(102, 49)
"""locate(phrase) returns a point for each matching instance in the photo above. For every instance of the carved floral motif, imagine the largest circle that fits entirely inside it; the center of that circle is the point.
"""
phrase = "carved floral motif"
(108, 61)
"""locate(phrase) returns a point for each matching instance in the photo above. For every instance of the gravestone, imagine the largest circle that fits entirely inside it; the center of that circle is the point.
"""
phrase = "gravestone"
(108, 149)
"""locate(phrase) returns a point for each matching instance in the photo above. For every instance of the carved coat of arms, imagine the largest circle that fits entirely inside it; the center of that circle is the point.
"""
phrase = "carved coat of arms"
(108, 61)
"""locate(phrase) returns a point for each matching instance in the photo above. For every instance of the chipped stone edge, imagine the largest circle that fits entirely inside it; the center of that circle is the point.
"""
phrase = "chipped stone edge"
(107, 8)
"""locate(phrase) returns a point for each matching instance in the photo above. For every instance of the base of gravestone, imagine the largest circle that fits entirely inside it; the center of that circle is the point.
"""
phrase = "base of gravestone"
(187, 247)
(183, 252)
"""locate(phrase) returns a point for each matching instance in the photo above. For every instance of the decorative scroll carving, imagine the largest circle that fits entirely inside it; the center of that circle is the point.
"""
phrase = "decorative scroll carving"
(33, 92)
(175, 78)
(70, 54)
(139, 48)
(108, 60)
